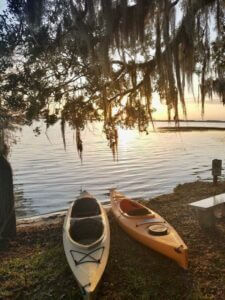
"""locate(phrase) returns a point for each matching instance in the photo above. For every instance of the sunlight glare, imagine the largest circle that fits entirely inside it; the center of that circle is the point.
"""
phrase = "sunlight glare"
(126, 136)
(156, 104)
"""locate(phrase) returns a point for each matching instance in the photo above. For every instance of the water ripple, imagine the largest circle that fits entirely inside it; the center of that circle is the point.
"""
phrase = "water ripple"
(47, 178)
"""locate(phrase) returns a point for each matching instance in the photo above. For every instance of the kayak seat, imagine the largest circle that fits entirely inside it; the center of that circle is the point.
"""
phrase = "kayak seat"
(132, 208)
(85, 207)
(86, 231)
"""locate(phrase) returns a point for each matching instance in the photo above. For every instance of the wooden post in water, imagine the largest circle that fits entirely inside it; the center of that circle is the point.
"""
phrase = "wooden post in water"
(7, 211)
(216, 169)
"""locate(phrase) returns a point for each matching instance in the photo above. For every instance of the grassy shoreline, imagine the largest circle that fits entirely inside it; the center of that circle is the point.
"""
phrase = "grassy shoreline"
(34, 266)
(189, 128)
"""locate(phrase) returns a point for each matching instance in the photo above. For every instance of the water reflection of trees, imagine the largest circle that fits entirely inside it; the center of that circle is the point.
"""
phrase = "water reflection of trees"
(23, 204)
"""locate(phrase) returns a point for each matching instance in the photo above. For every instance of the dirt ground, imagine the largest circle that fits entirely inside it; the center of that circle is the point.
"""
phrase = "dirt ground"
(33, 266)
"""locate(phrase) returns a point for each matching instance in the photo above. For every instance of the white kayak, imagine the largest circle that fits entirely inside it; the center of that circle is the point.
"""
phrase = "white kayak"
(86, 240)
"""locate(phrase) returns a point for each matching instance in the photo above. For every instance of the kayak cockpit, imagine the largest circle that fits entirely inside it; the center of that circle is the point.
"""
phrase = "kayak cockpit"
(86, 226)
(86, 231)
(132, 208)
(85, 207)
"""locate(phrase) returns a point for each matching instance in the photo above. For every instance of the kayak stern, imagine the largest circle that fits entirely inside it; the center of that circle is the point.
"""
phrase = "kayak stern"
(183, 256)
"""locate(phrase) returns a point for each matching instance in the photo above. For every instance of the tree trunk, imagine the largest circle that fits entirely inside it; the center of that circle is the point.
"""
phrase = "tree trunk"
(7, 210)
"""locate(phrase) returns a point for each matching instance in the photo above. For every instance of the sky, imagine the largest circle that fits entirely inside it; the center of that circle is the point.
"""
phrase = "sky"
(214, 110)
(2, 5)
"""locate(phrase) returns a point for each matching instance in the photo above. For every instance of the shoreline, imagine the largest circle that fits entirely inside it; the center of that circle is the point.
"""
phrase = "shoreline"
(49, 218)
(52, 217)
(189, 128)
(44, 219)
(193, 121)
(34, 265)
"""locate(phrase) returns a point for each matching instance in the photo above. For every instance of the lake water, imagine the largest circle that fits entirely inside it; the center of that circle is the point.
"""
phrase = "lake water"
(47, 178)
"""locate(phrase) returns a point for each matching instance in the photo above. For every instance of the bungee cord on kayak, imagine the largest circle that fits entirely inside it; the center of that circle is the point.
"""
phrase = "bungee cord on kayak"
(86, 255)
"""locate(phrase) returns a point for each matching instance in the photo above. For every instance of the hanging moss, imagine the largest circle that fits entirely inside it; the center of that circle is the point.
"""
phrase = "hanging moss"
(34, 10)
(79, 144)
(178, 77)
(63, 123)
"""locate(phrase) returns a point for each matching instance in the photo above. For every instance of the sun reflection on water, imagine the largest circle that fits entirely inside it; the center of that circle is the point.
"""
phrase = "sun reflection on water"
(126, 136)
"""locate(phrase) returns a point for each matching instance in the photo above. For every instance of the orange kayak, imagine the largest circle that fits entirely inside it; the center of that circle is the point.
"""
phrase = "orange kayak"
(148, 228)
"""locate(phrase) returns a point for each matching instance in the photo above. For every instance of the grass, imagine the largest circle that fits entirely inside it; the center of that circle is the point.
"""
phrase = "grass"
(34, 265)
